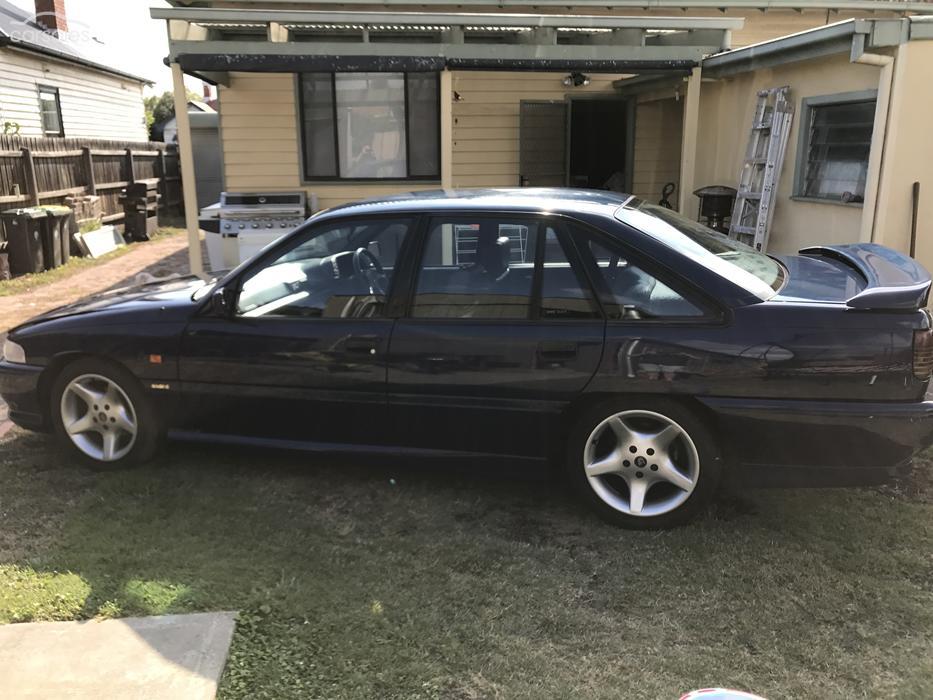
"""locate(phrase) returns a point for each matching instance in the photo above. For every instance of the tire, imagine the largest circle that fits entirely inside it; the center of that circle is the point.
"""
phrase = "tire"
(619, 442)
(112, 423)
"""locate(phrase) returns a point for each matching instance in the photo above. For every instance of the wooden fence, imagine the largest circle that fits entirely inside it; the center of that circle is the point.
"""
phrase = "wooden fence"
(36, 170)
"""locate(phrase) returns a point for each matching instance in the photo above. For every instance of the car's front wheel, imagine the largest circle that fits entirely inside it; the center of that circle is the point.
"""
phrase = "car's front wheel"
(645, 464)
(101, 413)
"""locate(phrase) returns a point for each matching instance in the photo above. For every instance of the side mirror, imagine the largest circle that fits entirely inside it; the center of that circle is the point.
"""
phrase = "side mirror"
(222, 302)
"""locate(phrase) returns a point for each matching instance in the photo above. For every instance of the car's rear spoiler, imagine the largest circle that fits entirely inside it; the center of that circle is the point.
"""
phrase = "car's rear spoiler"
(894, 281)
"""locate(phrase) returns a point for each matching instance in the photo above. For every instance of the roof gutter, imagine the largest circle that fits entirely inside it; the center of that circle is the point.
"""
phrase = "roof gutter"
(812, 43)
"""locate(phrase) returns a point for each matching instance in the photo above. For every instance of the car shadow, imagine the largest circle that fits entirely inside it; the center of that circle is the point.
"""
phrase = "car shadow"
(301, 541)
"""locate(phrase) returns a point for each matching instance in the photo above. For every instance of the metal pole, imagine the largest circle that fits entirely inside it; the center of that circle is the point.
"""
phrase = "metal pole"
(186, 163)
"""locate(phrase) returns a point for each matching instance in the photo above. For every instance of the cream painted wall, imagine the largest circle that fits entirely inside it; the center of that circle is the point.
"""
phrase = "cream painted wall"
(259, 133)
(485, 128)
(726, 110)
(908, 154)
(259, 136)
(658, 131)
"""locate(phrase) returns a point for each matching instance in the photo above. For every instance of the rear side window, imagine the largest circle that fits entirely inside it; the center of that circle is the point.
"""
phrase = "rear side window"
(635, 293)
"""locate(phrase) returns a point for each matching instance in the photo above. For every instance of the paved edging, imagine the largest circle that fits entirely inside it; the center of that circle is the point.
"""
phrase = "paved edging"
(169, 656)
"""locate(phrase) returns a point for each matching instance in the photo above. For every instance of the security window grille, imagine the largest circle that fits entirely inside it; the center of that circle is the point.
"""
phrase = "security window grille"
(50, 109)
(837, 150)
(370, 126)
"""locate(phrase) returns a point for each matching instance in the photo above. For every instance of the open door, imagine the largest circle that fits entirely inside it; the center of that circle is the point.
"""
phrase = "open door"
(601, 136)
(542, 144)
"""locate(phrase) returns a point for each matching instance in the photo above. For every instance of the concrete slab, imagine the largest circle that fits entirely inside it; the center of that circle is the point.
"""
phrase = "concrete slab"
(171, 656)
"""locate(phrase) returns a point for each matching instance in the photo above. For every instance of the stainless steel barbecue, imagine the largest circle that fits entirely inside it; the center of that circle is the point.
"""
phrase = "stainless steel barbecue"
(249, 221)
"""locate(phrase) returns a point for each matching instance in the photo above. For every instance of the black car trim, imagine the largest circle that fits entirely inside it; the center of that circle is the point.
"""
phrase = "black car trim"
(463, 401)
(405, 278)
(283, 391)
(339, 447)
(578, 264)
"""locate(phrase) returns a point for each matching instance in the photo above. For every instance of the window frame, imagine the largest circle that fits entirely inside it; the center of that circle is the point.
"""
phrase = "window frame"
(807, 106)
(316, 179)
(40, 89)
(402, 304)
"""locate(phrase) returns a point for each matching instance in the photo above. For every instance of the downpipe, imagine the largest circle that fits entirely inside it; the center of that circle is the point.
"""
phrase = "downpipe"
(878, 134)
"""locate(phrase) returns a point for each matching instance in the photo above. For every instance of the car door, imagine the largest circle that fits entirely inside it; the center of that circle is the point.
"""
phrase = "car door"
(301, 354)
(501, 333)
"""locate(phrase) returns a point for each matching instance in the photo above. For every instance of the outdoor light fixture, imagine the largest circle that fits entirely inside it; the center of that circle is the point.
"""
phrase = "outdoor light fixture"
(576, 79)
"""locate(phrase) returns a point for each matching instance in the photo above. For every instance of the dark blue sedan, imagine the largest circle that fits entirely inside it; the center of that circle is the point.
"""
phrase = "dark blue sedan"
(646, 354)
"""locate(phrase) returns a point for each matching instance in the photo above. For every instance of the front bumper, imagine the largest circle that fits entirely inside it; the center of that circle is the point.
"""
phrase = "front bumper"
(19, 388)
(821, 443)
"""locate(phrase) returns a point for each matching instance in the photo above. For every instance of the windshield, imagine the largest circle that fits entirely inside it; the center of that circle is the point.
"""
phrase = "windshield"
(740, 263)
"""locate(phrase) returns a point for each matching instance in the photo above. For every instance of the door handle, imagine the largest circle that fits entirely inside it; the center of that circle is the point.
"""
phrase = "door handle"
(557, 350)
(361, 345)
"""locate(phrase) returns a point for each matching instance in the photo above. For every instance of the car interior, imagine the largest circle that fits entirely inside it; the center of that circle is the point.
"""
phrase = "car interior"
(342, 272)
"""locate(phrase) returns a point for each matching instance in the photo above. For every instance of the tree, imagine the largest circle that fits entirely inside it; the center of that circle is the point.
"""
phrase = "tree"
(162, 107)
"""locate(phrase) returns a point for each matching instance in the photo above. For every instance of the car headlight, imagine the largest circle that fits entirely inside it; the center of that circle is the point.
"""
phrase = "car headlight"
(13, 352)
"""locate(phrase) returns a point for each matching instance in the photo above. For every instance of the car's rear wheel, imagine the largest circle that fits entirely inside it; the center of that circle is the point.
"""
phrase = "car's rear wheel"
(101, 413)
(643, 464)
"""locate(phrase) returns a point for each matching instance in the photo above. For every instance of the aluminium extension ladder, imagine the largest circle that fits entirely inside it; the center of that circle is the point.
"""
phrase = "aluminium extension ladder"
(761, 171)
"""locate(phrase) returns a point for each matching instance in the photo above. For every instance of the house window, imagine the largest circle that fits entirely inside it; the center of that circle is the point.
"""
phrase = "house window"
(835, 141)
(50, 110)
(370, 126)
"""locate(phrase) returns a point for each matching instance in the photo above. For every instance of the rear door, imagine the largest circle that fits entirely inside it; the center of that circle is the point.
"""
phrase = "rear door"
(500, 333)
(542, 144)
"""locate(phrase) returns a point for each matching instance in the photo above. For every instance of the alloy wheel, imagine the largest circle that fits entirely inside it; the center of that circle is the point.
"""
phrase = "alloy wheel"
(641, 463)
(98, 417)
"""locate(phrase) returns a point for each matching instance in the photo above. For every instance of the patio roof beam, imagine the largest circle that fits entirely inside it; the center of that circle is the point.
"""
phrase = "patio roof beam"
(463, 19)
(218, 40)
(847, 5)
(222, 56)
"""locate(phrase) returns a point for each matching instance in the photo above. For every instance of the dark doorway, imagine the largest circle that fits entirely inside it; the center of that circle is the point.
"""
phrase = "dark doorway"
(599, 138)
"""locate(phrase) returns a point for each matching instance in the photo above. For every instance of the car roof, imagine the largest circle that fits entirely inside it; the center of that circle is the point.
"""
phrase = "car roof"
(523, 199)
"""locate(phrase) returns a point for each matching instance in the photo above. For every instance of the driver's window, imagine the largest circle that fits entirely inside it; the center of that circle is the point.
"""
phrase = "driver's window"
(341, 270)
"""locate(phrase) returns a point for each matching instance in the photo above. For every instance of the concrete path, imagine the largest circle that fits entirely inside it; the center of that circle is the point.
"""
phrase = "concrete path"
(171, 657)
(160, 258)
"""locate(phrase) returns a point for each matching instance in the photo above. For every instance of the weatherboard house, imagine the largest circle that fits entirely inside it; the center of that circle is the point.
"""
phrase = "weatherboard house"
(48, 87)
(345, 101)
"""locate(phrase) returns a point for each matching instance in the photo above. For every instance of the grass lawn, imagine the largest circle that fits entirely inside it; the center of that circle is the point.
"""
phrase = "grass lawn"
(383, 579)
(26, 283)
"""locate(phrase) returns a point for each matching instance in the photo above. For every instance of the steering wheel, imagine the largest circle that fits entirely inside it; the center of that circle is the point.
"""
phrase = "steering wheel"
(367, 265)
